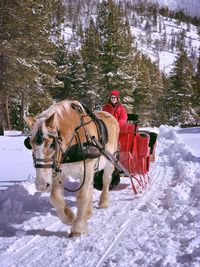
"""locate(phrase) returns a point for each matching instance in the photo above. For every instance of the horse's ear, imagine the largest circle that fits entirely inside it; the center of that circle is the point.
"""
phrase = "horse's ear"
(30, 121)
(51, 122)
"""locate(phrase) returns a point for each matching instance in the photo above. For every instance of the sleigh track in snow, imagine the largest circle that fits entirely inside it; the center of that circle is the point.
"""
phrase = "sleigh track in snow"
(29, 250)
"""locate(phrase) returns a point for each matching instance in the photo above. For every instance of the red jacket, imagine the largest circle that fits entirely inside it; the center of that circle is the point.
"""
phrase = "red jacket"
(118, 111)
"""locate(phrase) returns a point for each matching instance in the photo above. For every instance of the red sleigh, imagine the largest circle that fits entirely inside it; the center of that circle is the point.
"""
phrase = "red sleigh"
(136, 151)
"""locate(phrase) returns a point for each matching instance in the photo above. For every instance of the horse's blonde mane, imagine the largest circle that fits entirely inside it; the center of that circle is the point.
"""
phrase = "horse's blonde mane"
(57, 109)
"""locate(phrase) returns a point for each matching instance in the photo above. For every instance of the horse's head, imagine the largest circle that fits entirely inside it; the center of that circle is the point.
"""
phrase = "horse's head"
(43, 143)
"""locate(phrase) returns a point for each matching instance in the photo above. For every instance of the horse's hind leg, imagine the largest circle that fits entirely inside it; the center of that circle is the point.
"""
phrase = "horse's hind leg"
(107, 176)
(57, 199)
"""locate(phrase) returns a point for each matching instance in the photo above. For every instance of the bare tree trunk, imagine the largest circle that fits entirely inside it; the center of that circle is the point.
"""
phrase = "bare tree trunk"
(2, 102)
(1, 115)
(7, 111)
(22, 112)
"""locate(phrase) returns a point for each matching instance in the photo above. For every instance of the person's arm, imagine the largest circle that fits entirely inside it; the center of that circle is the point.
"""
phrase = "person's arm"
(123, 116)
(104, 107)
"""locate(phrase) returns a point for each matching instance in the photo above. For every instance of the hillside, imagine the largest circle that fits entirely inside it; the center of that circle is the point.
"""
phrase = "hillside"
(83, 49)
(159, 41)
(190, 7)
(156, 36)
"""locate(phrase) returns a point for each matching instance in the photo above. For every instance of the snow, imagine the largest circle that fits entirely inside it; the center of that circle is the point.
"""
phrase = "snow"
(164, 56)
(161, 227)
(12, 151)
(190, 7)
(158, 42)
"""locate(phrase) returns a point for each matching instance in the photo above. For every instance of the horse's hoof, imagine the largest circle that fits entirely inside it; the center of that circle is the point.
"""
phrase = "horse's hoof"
(103, 205)
(89, 215)
(72, 235)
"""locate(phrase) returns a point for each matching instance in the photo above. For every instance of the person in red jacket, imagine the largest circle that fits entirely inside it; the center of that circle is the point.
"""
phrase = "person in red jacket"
(116, 108)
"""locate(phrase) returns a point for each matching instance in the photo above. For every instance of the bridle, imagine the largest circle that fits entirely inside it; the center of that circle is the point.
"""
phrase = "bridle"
(54, 162)
(59, 155)
(49, 163)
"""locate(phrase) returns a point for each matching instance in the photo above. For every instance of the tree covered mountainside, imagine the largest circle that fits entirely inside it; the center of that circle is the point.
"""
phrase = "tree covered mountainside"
(81, 50)
(189, 7)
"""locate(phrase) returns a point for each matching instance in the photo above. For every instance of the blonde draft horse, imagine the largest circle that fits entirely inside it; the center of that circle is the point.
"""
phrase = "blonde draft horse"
(62, 118)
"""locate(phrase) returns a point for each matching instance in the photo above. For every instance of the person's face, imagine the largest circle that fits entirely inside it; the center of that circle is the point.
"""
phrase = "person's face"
(113, 99)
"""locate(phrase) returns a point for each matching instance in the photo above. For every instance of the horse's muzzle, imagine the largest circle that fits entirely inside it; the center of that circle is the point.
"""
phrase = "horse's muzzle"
(45, 187)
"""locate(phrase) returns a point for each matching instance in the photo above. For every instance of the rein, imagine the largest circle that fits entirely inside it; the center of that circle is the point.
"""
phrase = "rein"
(84, 172)
(76, 134)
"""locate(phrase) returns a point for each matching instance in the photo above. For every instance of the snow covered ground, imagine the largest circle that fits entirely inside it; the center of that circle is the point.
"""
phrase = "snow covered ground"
(159, 228)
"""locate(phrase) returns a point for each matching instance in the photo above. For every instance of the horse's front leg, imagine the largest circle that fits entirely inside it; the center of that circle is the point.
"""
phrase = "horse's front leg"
(107, 176)
(84, 206)
(64, 212)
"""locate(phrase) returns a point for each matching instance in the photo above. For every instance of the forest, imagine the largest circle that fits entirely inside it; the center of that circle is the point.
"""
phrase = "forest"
(38, 66)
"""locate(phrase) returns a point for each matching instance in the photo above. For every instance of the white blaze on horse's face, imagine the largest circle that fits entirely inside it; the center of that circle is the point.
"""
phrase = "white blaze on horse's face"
(43, 154)
(43, 150)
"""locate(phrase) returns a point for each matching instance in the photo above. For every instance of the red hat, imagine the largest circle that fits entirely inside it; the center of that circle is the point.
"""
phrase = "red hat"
(115, 92)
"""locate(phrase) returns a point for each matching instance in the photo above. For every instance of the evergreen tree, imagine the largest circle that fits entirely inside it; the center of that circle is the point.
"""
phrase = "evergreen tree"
(156, 91)
(27, 50)
(90, 52)
(116, 50)
(196, 99)
(180, 93)
(148, 92)
(73, 77)
(162, 106)
(141, 94)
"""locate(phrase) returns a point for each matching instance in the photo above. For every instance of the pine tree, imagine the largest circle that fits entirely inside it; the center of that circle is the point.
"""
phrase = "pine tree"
(116, 50)
(156, 91)
(196, 99)
(90, 51)
(148, 92)
(162, 106)
(73, 77)
(27, 49)
(180, 93)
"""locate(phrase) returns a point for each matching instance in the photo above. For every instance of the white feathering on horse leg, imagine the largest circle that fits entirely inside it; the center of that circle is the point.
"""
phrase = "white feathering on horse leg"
(79, 228)
(89, 211)
(84, 205)
(104, 199)
(107, 176)
(64, 212)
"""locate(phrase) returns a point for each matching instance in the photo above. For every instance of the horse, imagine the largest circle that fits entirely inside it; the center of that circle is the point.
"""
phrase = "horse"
(63, 127)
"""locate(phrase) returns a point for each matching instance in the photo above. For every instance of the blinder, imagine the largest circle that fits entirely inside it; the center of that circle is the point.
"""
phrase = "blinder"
(39, 139)
(27, 143)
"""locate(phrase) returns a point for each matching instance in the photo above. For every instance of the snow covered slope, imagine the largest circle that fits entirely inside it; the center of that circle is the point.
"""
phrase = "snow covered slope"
(190, 7)
(160, 42)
